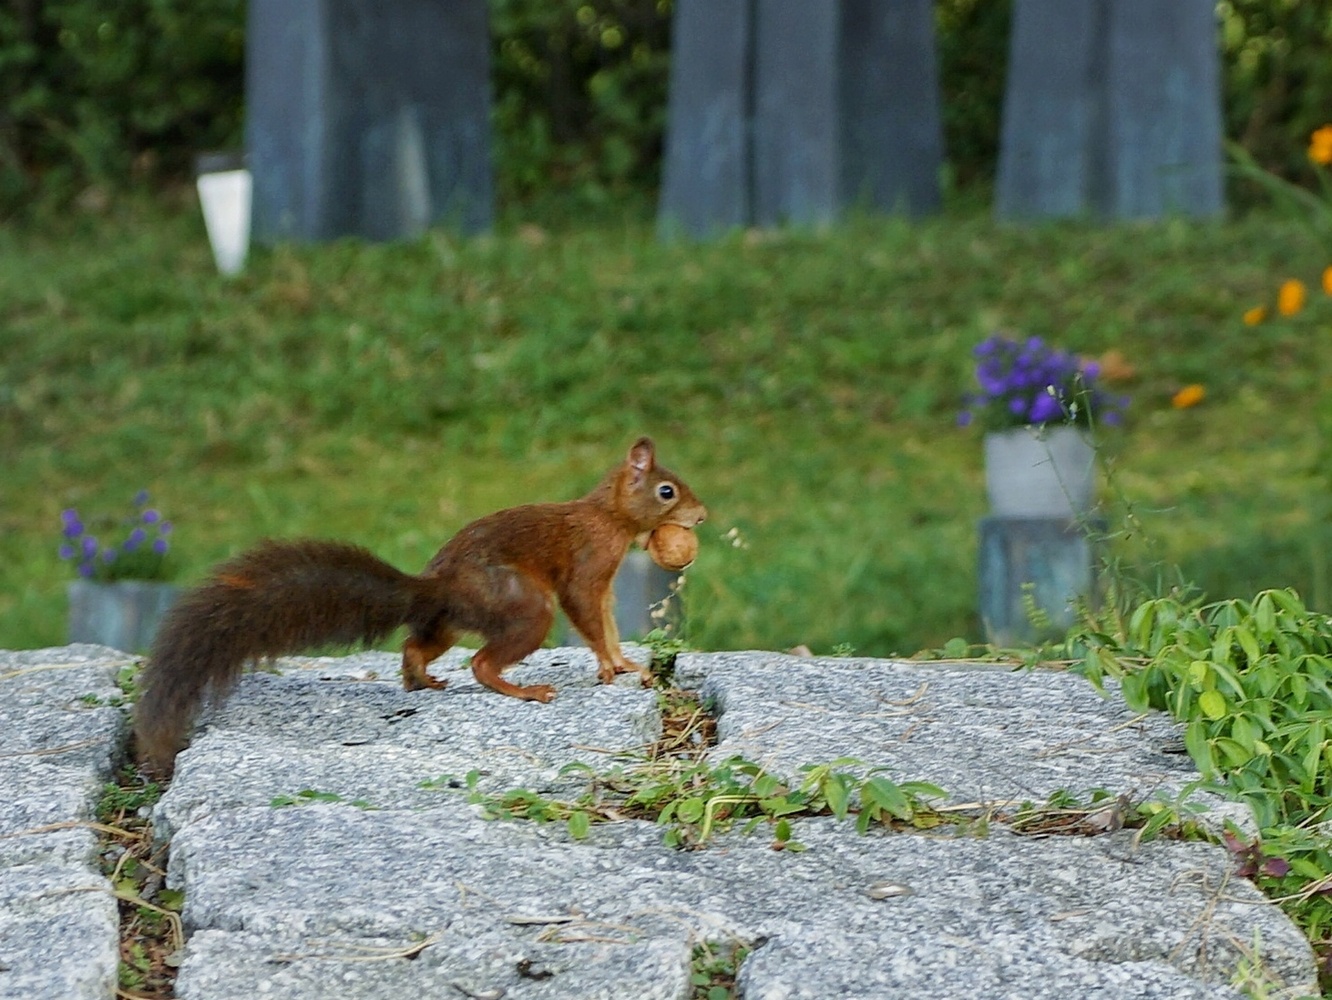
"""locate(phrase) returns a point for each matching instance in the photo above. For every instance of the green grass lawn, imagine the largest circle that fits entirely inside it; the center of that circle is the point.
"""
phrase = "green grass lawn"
(806, 384)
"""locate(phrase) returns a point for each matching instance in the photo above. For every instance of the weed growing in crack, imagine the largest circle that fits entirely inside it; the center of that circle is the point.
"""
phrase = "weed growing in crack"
(694, 799)
(310, 796)
(713, 968)
(151, 936)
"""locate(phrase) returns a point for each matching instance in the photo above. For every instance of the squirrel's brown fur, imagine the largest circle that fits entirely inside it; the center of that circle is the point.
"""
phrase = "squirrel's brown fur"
(496, 578)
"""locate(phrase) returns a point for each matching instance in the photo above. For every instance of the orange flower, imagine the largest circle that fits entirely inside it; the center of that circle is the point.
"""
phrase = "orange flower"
(1116, 368)
(1320, 146)
(1256, 315)
(1190, 395)
(1327, 279)
(1290, 298)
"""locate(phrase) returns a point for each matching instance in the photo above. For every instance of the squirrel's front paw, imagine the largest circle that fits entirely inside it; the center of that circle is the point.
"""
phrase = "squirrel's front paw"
(630, 667)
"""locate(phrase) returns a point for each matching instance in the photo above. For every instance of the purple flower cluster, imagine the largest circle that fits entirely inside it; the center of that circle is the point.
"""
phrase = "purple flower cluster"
(1028, 382)
(140, 554)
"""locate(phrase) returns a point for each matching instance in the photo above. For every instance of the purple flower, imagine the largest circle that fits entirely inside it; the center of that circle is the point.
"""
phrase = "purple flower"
(1027, 381)
(130, 547)
(1045, 408)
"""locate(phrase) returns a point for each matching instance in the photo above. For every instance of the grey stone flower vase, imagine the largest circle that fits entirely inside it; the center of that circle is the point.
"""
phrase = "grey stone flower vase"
(123, 615)
(1038, 545)
(1032, 472)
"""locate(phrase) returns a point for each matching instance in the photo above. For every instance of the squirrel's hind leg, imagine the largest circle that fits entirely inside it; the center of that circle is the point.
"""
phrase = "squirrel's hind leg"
(418, 653)
(521, 632)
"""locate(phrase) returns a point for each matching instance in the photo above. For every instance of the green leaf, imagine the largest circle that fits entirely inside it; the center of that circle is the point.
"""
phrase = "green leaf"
(765, 785)
(1134, 691)
(923, 789)
(1248, 643)
(956, 648)
(782, 832)
(1212, 704)
(1309, 869)
(1264, 613)
(1235, 754)
(837, 795)
(883, 793)
(781, 805)
(1141, 623)
(1288, 602)
(689, 810)
(1195, 741)
(1299, 688)
(1242, 731)
(578, 824)
(171, 899)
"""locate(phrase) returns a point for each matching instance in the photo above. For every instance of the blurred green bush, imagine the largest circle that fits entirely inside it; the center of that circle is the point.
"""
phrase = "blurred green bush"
(96, 96)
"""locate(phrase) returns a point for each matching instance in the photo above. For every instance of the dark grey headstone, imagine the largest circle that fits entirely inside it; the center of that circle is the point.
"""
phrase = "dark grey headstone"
(1163, 111)
(796, 154)
(892, 132)
(1112, 107)
(790, 111)
(368, 117)
(706, 172)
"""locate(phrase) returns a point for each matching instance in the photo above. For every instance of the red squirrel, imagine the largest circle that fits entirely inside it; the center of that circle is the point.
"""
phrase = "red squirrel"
(498, 577)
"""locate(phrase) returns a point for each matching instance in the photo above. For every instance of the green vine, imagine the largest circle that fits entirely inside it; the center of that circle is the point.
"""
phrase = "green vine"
(1252, 683)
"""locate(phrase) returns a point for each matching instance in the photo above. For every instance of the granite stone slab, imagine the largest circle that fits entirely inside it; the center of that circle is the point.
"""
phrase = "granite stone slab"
(61, 736)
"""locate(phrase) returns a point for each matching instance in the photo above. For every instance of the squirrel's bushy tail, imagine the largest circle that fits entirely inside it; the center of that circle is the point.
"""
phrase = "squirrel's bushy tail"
(277, 598)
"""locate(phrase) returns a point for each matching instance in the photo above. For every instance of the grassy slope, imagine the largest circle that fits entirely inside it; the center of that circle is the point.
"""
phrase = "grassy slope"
(805, 384)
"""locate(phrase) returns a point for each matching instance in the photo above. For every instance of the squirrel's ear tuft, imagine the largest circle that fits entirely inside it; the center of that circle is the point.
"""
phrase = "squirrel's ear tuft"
(641, 455)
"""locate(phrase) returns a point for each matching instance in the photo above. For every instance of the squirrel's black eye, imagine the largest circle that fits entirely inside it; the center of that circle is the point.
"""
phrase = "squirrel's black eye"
(666, 492)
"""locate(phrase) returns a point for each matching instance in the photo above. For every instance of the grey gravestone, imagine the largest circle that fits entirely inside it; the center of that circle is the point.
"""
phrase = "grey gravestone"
(1112, 107)
(788, 111)
(706, 173)
(368, 117)
(1048, 561)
